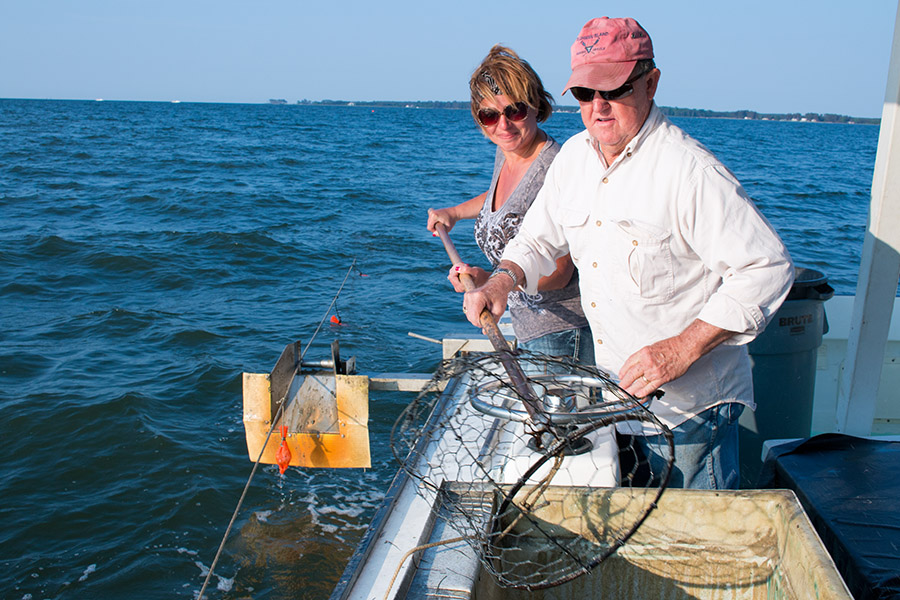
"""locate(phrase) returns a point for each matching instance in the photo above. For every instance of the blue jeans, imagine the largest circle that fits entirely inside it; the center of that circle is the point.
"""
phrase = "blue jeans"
(576, 343)
(706, 450)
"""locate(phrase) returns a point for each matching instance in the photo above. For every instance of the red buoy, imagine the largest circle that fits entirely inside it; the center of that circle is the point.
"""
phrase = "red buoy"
(283, 456)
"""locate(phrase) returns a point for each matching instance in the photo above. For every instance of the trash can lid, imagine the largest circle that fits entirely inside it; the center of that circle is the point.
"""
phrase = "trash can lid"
(809, 284)
(804, 277)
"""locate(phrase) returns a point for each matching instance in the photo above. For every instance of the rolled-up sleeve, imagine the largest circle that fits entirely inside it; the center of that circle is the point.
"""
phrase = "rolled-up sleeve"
(735, 241)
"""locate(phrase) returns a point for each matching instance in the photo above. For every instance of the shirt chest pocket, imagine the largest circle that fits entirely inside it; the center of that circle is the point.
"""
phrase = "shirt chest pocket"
(577, 235)
(642, 260)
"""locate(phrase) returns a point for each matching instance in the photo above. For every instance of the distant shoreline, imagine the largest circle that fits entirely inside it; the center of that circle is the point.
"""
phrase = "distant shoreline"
(745, 115)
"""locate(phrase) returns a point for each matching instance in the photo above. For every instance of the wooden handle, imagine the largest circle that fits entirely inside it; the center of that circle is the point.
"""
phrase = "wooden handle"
(489, 325)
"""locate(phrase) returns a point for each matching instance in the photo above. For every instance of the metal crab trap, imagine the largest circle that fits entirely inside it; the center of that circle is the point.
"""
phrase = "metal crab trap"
(541, 474)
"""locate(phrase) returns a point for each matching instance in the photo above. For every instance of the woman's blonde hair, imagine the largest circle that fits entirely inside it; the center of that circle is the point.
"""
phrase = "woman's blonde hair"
(503, 72)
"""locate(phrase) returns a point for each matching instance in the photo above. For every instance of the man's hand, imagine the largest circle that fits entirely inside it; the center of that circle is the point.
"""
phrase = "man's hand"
(492, 295)
(655, 365)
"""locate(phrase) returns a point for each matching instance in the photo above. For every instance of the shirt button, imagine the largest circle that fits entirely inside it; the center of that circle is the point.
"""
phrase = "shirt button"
(594, 265)
(599, 222)
(599, 342)
(593, 305)
(606, 180)
(628, 154)
(634, 242)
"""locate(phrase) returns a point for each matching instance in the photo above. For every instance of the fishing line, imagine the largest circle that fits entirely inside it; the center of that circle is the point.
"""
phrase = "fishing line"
(268, 435)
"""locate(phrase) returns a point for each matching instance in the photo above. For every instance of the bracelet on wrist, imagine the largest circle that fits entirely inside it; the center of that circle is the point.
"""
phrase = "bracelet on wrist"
(508, 272)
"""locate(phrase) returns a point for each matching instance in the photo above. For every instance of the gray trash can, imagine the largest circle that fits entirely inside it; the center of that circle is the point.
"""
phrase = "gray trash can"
(783, 359)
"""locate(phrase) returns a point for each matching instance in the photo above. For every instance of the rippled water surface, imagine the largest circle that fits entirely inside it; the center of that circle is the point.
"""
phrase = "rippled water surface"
(151, 252)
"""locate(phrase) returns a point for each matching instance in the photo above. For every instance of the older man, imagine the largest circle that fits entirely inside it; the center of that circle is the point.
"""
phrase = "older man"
(678, 268)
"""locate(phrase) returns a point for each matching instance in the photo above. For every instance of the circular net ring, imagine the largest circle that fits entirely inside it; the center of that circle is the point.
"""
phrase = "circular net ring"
(565, 399)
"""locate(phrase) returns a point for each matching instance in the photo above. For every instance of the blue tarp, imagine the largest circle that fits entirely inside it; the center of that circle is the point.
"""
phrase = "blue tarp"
(850, 488)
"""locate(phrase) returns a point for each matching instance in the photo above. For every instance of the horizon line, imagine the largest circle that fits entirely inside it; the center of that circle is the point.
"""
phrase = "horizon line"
(411, 103)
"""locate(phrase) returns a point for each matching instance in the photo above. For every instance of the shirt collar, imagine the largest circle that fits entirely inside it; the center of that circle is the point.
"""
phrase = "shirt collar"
(654, 117)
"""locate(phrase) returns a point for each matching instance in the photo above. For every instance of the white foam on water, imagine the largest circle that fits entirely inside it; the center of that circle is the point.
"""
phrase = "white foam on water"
(263, 515)
(204, 570)
(348, 511)
(90, 569)
(314, 514)
(329, 528)
(225, 584)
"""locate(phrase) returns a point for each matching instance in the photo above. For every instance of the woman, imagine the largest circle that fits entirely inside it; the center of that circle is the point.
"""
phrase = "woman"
(508, 102)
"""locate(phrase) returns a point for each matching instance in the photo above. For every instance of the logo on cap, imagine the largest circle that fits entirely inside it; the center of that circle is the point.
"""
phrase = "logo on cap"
(597, 37)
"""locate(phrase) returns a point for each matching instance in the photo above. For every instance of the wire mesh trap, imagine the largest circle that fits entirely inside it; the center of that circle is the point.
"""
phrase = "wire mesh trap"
(509, 468)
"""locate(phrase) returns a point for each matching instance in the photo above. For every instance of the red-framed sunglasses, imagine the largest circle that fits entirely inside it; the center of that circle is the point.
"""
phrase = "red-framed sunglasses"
(513, 112)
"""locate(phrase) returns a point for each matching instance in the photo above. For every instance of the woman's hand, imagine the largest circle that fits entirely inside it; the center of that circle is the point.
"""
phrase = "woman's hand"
(441, 215)
(479, 276)
(450, 216)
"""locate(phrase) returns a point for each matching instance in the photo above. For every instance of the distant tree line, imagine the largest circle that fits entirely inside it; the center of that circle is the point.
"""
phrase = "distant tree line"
(755, 116)
(406, 104)
(667, 110)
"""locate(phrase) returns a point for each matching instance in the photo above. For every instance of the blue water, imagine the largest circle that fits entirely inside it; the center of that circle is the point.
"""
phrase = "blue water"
(151, 252)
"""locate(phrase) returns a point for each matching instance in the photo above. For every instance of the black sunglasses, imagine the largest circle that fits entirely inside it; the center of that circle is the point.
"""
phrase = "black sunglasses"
(514, 112)
(583, 94)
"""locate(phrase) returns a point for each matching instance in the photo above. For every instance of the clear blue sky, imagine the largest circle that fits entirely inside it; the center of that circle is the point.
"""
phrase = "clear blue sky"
(786, 56)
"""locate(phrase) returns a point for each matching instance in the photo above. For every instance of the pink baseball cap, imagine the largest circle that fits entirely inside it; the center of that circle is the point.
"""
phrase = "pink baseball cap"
(605, 52)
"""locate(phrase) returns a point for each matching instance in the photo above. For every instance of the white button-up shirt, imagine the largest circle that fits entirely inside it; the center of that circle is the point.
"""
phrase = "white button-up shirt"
(663, 236)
